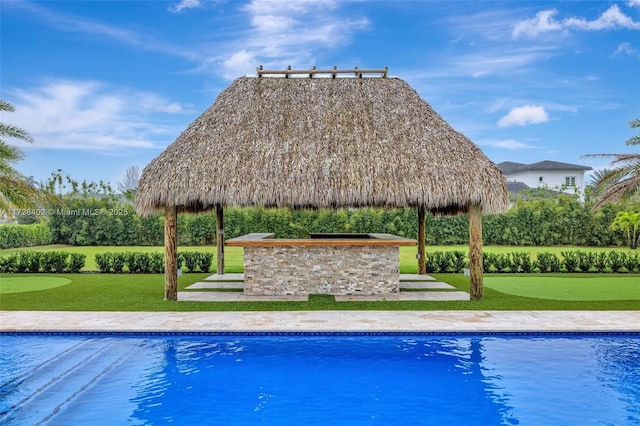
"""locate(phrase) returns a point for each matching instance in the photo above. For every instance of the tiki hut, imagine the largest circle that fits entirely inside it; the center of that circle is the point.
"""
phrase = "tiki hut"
(313, 142)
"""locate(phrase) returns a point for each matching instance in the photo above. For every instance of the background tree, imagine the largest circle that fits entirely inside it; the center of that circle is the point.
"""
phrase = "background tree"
(624, 177)
(128, 185)
(15, 189)
(630, 223)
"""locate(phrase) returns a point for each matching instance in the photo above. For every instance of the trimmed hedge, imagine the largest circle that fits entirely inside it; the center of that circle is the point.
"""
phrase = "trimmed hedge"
(12, 236)
(47, 262)
(522, 262)
(150, 263)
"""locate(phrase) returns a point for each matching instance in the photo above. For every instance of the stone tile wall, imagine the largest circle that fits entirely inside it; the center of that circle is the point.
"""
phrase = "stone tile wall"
(339, 270)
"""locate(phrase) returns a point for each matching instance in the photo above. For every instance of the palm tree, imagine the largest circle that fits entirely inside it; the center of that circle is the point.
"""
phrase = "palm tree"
(629, 222)
(15, 189)
(624, 177)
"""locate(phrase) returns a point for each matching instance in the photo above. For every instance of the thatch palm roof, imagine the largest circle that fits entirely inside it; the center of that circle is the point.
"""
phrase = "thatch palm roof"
(321, 142)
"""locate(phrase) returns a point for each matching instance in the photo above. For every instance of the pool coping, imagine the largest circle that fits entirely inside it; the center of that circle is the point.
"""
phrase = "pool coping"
(322, 321)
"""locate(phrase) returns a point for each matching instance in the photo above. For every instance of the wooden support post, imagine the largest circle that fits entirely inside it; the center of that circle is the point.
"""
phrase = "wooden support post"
(475, 252)
(220, 237)
(170, 253)
(422, 266)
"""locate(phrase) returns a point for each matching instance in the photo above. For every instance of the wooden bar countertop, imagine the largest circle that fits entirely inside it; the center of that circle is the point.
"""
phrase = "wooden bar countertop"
(318, 239)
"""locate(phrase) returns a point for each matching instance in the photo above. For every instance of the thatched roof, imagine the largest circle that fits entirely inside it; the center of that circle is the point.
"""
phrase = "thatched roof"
(321, 142)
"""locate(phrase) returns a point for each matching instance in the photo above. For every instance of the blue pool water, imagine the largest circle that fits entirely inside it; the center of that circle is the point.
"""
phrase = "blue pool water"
(319, 380)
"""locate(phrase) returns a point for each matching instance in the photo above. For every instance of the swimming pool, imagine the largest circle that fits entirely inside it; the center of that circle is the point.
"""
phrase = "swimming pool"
(320, 379)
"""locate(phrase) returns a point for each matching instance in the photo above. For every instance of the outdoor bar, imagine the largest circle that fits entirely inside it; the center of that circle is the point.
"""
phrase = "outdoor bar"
(337, 264)
(321, 139)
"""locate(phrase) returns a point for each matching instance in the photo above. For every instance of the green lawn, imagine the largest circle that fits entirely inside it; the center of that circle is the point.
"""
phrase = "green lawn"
(13, 284)
(584, 288)
(128, 292)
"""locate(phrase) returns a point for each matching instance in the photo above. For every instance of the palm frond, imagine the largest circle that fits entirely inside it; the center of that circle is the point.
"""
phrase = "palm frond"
(6, 106)
(14, 132)
(624, 179)
(618, 190)
(635, 140)
(10, 153)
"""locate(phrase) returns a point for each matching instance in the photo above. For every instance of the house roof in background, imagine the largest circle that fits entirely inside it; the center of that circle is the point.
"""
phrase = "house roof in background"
(515, 187)
(509, 167)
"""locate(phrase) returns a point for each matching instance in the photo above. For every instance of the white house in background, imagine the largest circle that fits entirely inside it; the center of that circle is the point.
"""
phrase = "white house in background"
(564, 177)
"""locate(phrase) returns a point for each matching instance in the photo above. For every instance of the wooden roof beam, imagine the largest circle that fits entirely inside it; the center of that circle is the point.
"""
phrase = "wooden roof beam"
(313, 71)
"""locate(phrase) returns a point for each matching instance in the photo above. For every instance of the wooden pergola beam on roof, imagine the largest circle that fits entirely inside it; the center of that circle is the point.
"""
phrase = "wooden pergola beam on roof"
(313, 71)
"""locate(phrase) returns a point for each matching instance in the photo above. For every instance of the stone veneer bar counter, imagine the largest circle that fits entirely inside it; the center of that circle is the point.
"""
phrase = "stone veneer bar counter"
(338, 264)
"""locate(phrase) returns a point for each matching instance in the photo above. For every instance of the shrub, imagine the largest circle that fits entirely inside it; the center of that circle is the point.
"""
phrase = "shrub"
(443, 261)
(548, 262)
(502, 262)
(190, 260)
(630, 261)
(9, 263)
(570, 260)
(430, 263)
(139, 263)
(521, 262)
(586, 260)
(600, 261)
(458, 261)
(118, 261)
(22, 264)
(76, 262)
(54, 261)
(12, 236)
(194, 260)
(103, 260)
(488, 262)
(204, 261)
(156, 263)
(615, 261)
(30, 261)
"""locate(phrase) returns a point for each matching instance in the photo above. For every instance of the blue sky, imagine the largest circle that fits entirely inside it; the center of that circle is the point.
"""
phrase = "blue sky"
(105, 85)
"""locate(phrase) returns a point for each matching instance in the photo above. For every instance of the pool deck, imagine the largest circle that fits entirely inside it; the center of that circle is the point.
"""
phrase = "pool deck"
(319, 321)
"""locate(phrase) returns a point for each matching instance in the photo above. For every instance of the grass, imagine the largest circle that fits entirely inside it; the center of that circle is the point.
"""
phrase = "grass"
(233, 255)
(23, 284)
(592, 287)
(117, 292)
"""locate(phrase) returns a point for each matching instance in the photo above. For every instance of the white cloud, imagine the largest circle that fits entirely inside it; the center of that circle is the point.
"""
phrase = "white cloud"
(238, 64)
(625, 49)
(287, 33)
(507, 144)
(521, 116)
(184, 4)
(545, 22)
(497, 61)
(611, 18)
(542, 23)
(89, 115)
(633, 3)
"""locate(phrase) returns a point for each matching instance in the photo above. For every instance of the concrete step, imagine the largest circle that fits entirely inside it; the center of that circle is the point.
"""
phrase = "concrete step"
(225, 277)
(416, 277)
(234, 296)
(420, 285)
(239, 285)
